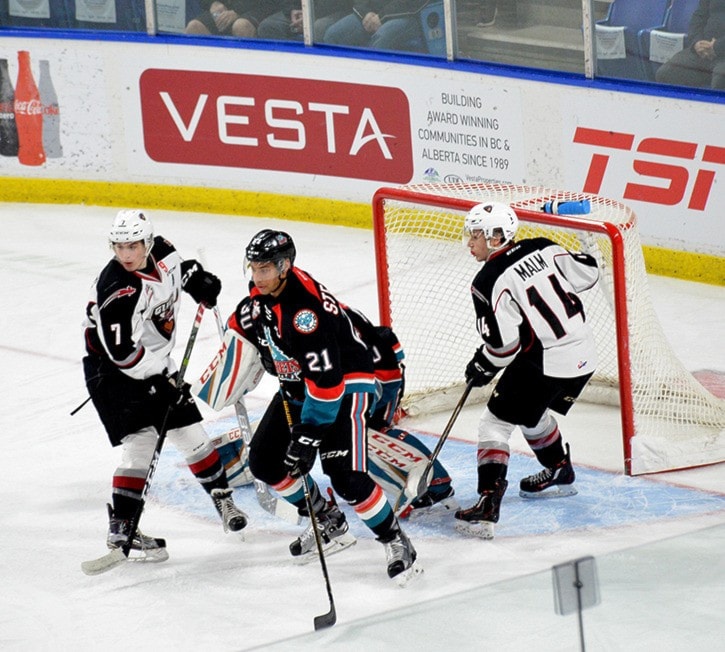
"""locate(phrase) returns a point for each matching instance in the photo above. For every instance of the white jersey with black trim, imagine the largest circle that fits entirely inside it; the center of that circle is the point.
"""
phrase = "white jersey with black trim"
(525, 297)
(131, 316)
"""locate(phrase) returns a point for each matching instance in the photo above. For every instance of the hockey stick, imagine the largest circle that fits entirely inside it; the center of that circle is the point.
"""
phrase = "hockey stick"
(266, 500)
(118, 556)
(416, 485)
(330, 618)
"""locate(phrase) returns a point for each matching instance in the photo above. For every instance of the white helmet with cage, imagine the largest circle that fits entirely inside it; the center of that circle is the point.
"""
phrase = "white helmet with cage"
(492, 219)
(132, 225)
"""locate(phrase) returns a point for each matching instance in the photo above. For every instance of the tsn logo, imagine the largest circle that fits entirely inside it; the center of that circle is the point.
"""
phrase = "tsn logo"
(677, 176)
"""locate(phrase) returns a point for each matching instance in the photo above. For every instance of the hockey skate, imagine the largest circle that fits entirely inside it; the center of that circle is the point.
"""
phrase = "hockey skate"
(334, 531)
(479, 520)
(143, 548)
(555, 482)
(431, 501)
(233, 518)
(401, 557)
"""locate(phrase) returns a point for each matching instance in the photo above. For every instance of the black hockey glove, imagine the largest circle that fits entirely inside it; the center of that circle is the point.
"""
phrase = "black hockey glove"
(164, 387)
(480, 371)
(302, 451)
(203, 286)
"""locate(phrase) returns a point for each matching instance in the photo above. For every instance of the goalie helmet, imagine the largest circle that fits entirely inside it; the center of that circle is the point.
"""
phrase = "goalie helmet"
(492, 219)
(132, 225)
(270, 246)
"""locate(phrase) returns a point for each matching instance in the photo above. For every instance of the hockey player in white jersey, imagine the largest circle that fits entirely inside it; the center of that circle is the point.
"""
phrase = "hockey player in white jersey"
(533, 326)
(130, 330)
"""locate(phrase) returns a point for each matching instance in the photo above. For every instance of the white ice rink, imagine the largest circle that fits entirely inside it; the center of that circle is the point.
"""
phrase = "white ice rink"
(658, 541)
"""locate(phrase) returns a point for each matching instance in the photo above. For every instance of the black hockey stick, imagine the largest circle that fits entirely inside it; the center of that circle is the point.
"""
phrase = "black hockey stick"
(422, 484)
(266, 500)
(330, 618)
(120, 555)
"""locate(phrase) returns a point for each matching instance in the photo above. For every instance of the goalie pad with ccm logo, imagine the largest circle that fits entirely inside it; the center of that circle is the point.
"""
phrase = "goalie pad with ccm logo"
(235, 370)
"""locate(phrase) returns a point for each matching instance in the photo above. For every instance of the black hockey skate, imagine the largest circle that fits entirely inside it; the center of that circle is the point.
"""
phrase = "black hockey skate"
(143, 548)
(439, 501)
(334, 531)
(233, 518)
(479, 519)
(555, 482)
(401, 556)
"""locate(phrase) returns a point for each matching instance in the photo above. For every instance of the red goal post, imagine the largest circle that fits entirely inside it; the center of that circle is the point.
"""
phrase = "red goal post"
(424, 273)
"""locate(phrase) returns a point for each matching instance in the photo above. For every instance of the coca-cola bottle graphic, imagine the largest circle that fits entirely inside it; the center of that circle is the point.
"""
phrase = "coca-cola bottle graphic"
(28, 114)
(51, 113)
(8, 128)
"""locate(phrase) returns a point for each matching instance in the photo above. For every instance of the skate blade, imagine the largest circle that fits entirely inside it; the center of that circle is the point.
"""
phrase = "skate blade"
(408, 575)
(444, 506)
(336, 545)
(149, 555)
(482, 529)
(555, 491)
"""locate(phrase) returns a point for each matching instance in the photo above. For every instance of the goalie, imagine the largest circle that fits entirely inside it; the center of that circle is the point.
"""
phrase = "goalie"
(394, 455)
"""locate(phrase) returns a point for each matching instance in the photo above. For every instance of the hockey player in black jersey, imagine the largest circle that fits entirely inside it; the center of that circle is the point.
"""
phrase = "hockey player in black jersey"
(533, 326)
(130, 329)
(327, 379)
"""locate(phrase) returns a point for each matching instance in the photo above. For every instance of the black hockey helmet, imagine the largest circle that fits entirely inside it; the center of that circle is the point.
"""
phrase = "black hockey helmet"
(270, 246)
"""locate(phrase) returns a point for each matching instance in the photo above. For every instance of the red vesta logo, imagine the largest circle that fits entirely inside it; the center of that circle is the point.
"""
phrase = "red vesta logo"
(277, 123)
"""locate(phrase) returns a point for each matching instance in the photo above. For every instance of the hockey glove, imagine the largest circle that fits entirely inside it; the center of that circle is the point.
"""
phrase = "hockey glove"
(164, 387)
(480, 371)
(203, 286)
(302, 451)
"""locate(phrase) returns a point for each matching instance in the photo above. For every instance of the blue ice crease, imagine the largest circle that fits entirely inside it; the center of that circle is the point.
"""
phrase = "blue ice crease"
(605, 499)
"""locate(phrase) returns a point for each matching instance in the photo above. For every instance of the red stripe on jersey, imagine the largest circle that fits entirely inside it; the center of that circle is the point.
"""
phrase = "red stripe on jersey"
(325, 393)
(386, 375)
(234, 324)
(307, 282)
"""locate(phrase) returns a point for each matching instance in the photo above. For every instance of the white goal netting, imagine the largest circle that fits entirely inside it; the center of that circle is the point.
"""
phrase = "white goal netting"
(669, 419)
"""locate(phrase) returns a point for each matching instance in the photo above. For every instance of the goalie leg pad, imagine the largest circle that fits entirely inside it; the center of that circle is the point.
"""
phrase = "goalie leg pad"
(234, 456)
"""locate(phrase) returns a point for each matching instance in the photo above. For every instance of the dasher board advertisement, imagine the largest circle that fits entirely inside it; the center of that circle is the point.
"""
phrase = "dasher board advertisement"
(339, 128)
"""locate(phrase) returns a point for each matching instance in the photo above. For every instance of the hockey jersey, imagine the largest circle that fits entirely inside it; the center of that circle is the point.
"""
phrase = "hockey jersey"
(131, 316)
(525, 298)
(308, 338)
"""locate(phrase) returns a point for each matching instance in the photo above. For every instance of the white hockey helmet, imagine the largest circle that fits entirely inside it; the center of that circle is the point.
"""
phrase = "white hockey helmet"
(491, 218)
(132, 225)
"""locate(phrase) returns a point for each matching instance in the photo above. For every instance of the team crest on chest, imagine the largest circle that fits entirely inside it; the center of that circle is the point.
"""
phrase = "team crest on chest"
(305, 321)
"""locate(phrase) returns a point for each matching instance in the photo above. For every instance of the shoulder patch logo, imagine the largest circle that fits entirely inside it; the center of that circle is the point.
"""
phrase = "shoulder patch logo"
(305, 321)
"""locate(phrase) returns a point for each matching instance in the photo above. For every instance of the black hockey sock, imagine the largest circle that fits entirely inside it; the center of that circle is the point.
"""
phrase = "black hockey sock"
(124, 507)
(489, 474)
(550, 456)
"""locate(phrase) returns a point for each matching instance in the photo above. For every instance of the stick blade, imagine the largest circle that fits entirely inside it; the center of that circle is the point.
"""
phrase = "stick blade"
(326, 620)
(105, 563)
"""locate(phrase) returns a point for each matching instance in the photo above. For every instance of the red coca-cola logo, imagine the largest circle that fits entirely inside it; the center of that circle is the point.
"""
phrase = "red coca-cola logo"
(277, 123)
(30, 107)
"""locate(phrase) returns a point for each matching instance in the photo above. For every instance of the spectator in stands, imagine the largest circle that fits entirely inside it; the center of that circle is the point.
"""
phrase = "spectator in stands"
(380, 24)
(701, 62)
(239, 18)
(286, 24)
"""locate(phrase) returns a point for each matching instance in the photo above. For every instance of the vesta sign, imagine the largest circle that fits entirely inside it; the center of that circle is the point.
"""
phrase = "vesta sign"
(277, 123)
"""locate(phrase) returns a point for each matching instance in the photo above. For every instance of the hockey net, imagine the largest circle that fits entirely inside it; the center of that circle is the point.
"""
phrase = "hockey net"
(669, 420)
